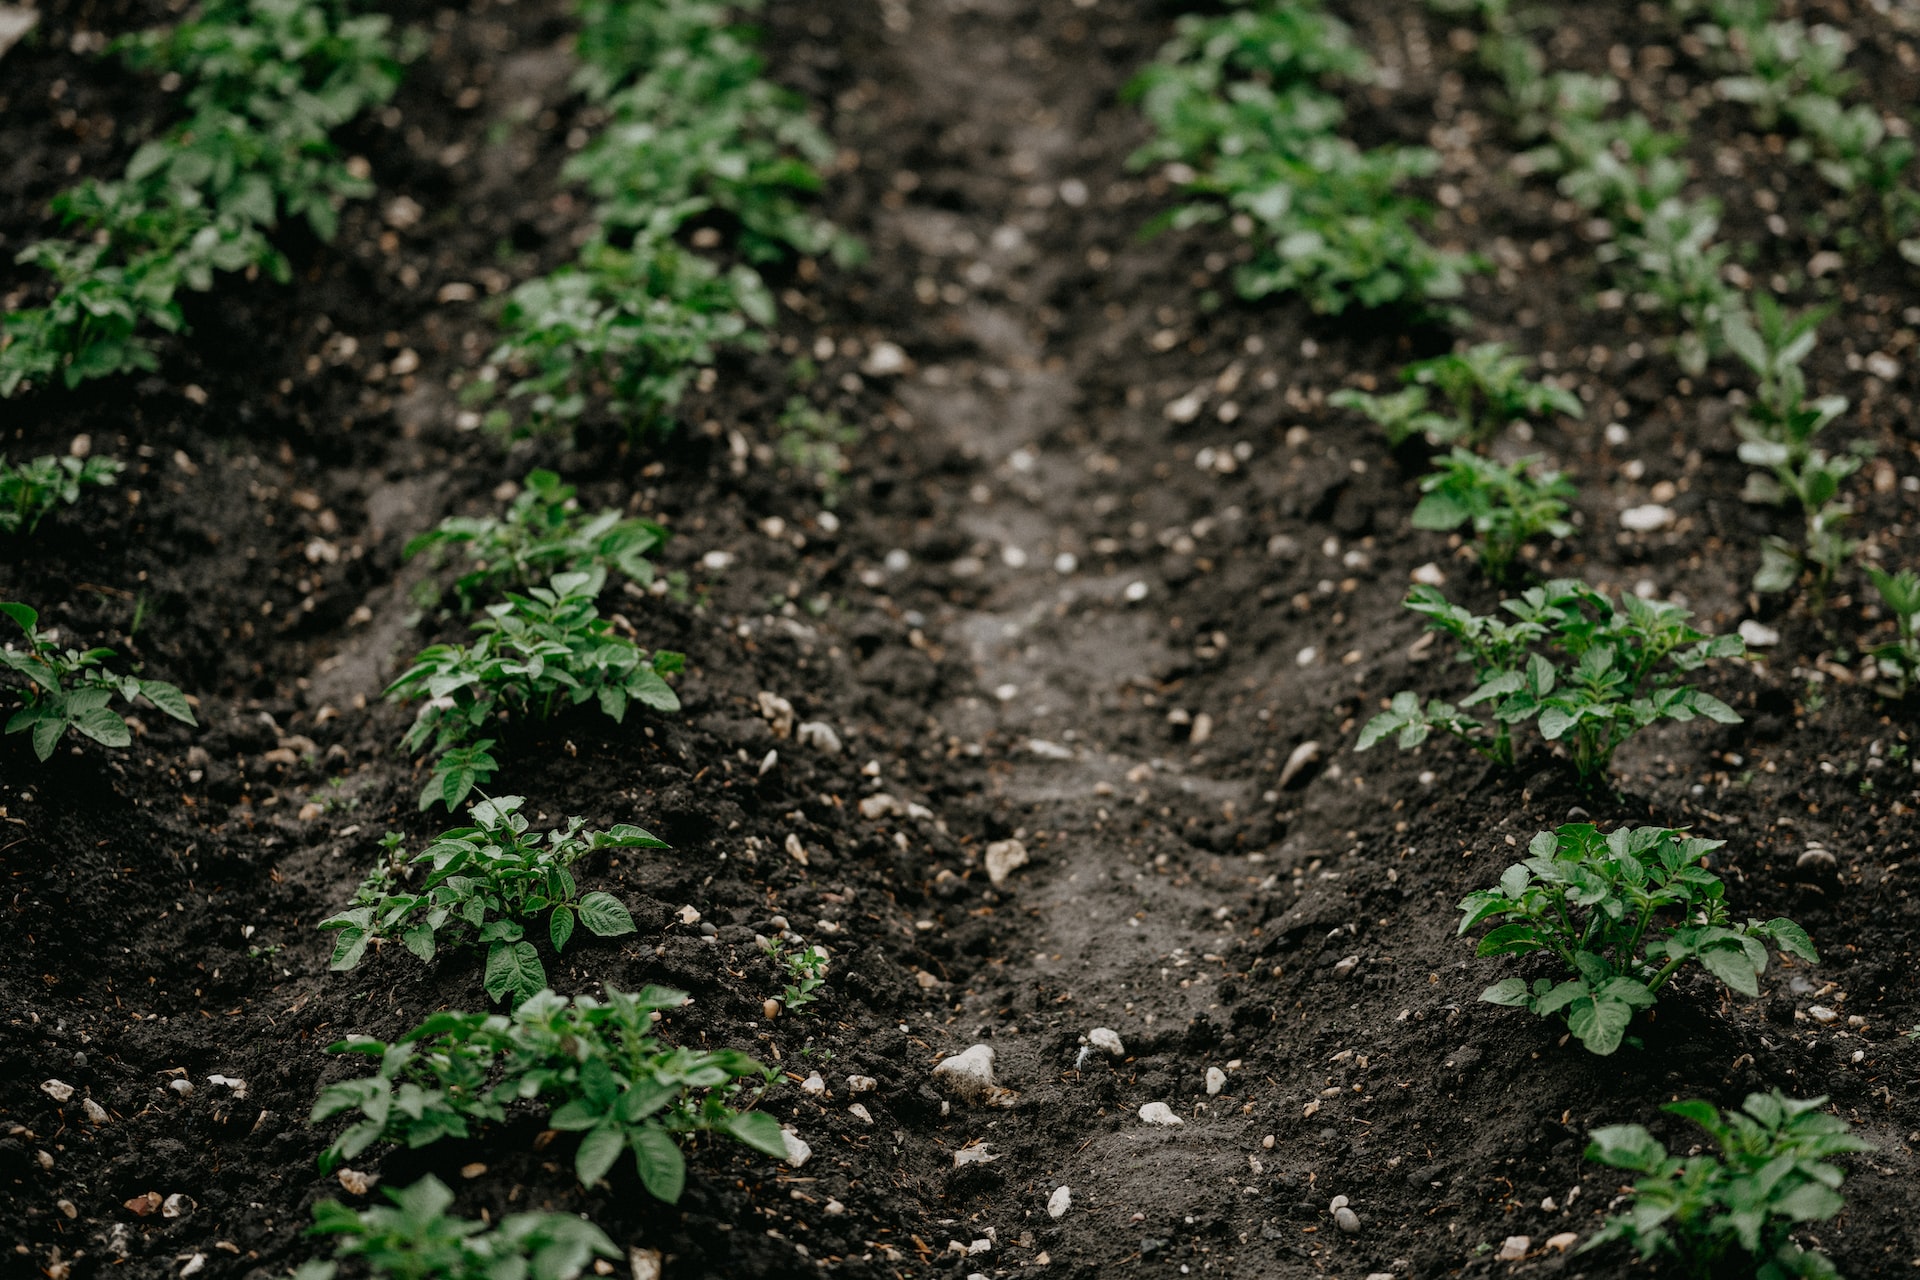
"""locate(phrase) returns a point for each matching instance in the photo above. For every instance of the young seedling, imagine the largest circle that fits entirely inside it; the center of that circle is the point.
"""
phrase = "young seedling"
(486, 885)
(815, 443)
(543, 533)
(1705, 1210)
(1900, 593)
(1505, 505)
(30, 491)
(1485, 387)
(69, 689)
(1402, 415)
(597, 1067)
(1589, 672)
(534, 654)
(1621, 911)
(1778, 433)
(414, 1238)
(806, 970)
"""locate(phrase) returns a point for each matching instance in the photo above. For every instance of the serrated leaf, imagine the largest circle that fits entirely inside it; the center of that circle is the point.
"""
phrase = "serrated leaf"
(560, 927)
(605, 916)
(514, 968)
(1600, 1025)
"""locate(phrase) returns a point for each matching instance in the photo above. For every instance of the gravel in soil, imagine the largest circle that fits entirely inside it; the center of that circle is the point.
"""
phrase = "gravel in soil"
(1044, 618)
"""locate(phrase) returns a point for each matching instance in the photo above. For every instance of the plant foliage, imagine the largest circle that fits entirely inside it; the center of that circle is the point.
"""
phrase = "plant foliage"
(1621, 911)
(487, 885)
(32, 490)
(1770, 1174)
(596, 1067)
(413, 1238)
(1588, 671)
(1505, 504)
(70, 689)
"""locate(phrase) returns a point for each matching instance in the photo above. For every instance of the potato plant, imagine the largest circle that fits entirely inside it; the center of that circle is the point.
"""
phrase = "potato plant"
(543, 533)
(412, 1237)
(66, 689)
(534, 654)
(1484, 386)
(1588, 671)
(486, 885)
(1707, 1209)
(1505, 505)
(1900, 594)
(1777, 432)
(268, 82)
(1236, 99)
(1621, 912)
(30, 492)
(597, 1067)
(805, 968)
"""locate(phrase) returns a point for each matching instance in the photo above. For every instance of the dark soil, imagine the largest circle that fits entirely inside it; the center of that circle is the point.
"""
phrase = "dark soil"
(967, 619)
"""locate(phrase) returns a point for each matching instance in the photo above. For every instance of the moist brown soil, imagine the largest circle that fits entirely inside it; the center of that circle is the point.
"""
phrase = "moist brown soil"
(162, 899)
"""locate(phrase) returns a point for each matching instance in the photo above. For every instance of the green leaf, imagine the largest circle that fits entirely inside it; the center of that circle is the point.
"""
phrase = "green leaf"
(1508, 991)
(1791, 938)
(1600, 1025)
(514, 967)
(103, 726)
(758, 1130)
(598, 1150)
(169, 699)
(1732, 966)
(603, 914)
(663, 1170)
(560, 927)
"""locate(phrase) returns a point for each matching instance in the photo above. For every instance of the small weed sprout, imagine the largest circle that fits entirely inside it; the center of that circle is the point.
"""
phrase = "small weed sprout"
(1778, 433)
(1621, 911)
(542, 533)
(1770, 1175)
(598, 1067)
(69, 689)
(486, 885)
(814, 442)
(413, 1238)
(1900, 657)
(1505, 504)
(534, 654)
(32, 490)
(806, 970)
(1589, 672)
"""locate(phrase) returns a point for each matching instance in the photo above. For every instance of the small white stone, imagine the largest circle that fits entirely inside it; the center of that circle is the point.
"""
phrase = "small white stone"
(1563, 1242)
(798, 1152)
(1430, 575)
(883, 360)
(646, 1264)
(1136, 592)
(93, 1111)
(1159, 1113)
(1513, 1248)
(1347, 1220)
(1299, 758)
(1345, 966)
(195, 1265)
(860, 1113)
(973, 1155)
(1003, 858)
(1066, 562)
(1107, 1040)
(1216, 1081)
(1059, 1202)
(355, 1183)
(1822, 1015)
(176, 1206)
(818, 734)
(1338, 1203)
(968, 1076)
(182, 1087)
(1187, 407)
(813, 1085)
(1645, 519)
(58, 1090)
(1306, 657)
(1758, 634)
(835, 1208)
(862, 1084)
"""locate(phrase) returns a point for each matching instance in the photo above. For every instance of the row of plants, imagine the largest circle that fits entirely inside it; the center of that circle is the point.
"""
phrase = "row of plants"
(1620, 913)
(264, 85)
(700, 156)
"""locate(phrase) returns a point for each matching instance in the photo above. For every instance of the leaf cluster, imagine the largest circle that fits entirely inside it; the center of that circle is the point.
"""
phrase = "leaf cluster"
(806, 969)
(596, 1067)
(1621, 911)
(1236, 99)
(486, 885)
(542, 533)
(814, 441)
(31, 490)
(268, 82)
(1778, 433)
(70, 689)
(1900, 592)
(1505, 504)
(1589, 671)
(414, 1238)
(532, 655)
(1770, 1174)
(1484, 386)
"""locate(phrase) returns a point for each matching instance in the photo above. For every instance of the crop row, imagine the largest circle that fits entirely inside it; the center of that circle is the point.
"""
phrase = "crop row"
(1236, 104)
(699, 153)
